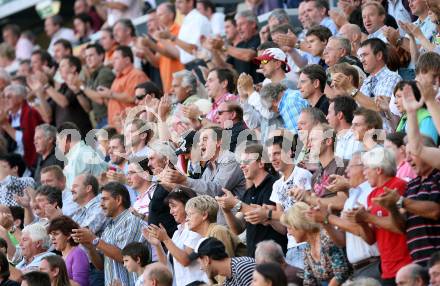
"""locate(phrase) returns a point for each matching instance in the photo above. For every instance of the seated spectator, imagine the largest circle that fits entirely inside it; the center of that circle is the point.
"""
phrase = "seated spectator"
(55, 267)
(36, 278)
(157, 274)
(5, 270)
(317, 39)
(434, 269)
(269, 252)
(12, 168)
(55, 31)
(365, 124)
(215, 261)
(269, 273)
(230, 117)
(81, 157)
(34, 244)
(137, 134)
(12, 35)
(336, 49)
(40, 60)
(395, 142)
(125, 10)
(60, 230)
(412, 274)
(140, 179)
(324, 261)
(117, 155)
(82, 6)
(182, 243)
(44, 141)
(311, 83)
(62, 49)
(46, 205)
(373, 15)
(317, 13)
(20, 128)
(136, 257)
(201, 218)
(123, 229)
(275, 67)
(109, 44)
(354, 77)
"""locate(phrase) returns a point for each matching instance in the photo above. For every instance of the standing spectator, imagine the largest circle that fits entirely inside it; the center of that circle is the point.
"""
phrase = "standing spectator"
(109, 44)
(324, 263)
(44, 141)
(396, 142)
(212, 256)
(55, 31)
(8, 62)
(121, 95)
(23, 46)
(82, 24)
(60, 230)
(317, 14)
(23, 121)
(311, 83)
(230, 117)
(122, 229)
(217, 19)
(317, 39)
(120, 9)
(274, 66)
(34, 244)
(364, 122)
(82, 6)
(336, 49)
(124, 34)
(116, 152)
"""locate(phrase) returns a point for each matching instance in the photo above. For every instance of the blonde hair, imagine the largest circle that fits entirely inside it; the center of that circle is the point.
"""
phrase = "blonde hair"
(296, 217)
(204, 204)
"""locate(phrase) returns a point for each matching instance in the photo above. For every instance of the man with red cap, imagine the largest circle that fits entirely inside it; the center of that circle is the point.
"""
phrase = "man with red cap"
(274, 66)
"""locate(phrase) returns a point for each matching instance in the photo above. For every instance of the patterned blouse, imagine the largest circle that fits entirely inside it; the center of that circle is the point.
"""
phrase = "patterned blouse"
(333, 263)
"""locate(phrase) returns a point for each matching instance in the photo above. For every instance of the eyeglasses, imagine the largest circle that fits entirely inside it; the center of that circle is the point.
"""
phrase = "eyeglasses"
(220, 112)
(141, 96)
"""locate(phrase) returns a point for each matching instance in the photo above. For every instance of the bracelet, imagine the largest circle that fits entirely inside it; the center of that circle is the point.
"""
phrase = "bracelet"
(326, 222)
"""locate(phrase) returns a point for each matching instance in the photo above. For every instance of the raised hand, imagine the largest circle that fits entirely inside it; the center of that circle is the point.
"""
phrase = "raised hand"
(152, 240)
(409, 100)
(245, 86)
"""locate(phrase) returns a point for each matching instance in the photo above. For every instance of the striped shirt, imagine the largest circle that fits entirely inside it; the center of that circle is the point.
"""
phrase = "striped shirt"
(290, 106)
(120, 231)
(91, 216)
(241, 271)
(423, 234)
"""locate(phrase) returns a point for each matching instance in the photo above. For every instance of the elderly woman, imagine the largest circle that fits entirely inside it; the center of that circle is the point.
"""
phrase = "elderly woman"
(60, 230)
(182, 243)
(325, 263)
(201, 215)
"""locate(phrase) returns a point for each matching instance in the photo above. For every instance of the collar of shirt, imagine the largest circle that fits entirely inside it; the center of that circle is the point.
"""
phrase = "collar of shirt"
(15, 116)
(91, 202)
(125, 71)
(75, 149)
(222, 99)
(120, 217)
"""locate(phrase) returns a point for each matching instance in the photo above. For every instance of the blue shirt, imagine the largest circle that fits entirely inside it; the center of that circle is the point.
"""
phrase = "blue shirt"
(328, 23)
(289, 107)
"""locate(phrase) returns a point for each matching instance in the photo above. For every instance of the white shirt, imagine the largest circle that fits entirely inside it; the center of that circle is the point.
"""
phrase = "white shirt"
(15, 123)
(193, 26)
(133, 11)
(398, 11)
(62, 33)
(23, 49)
(357, 248)
(280, 192)
(379, 34)
(347, 145)
(183, 275)
(218, 24)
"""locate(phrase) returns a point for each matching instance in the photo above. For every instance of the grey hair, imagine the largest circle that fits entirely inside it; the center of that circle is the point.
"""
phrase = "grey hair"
(280, 14)
(344, 43)
(382, 158)
(269, 251)
(37, 232)
(317, 115)
(4, 75)
(49, 130)
(418, 271)
(16, 89)
(362, 282)
(248, 14)
(188, 79)
(271, 91)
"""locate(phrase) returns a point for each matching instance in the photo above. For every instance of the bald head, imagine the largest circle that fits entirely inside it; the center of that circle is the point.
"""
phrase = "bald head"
(412, 274)
(166, 13)
(157, 274)
(350, 31)
(269, 251)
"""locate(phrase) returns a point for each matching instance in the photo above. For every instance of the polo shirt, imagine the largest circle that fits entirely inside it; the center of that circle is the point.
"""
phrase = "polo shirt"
(323, 104)
(247, 67)
(392, 246)
(423, 234)
(242, 269)
(159, 211)
(255, 233)
(168, 66)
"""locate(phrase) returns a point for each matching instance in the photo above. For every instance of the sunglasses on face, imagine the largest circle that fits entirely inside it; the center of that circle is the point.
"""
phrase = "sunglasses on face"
(264, 62)
(141, 96)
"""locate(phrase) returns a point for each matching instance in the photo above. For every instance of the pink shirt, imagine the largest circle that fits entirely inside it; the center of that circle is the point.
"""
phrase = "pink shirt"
(212, 114)
(142, 203)
(405, 171)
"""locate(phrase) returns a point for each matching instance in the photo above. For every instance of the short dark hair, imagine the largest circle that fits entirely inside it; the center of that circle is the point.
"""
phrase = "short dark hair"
(4, 267)
(207, 5)
(231, 17)
(127, 23)
(15, 160)
(284, 139)
(68, 125)
(255, 148)
(226, 74)
(45, 57)
(434, 259)
(17, 213)
(83, 17)
(65, 225)
(57, 19)
(126, 52)
(397, 138)
(90, 180)
(150, 88)
(98, 48)
(317, 115)
(65, 43)
(216, 129)
(372, 118)
(323, 33)
(137, 250)
(267, 45)
(321, 4)
(272, 272)
(377, 46)
(235, 107)
(315, 72)
(181, 194)
(347, 105)
(74, 62)
(36, 278)
(119, 137)
(116, 189)
(171, 7)
(428, 62)
(108, 30)
(283, 29)
(14, 28)
(53, 195)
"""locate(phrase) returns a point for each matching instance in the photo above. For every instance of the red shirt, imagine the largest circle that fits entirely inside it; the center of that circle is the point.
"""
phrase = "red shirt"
(392, 246)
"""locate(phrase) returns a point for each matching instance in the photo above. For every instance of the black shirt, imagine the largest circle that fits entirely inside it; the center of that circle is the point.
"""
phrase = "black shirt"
(323, 104)
(9, 283)
(49, 161)
(257, 232)
(236, 129)
(159, 211)
(247, 67)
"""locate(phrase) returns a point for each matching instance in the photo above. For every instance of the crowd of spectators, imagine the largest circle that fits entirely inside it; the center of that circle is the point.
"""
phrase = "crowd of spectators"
(217, 150)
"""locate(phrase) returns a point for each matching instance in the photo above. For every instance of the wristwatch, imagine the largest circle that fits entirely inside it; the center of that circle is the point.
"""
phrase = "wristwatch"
(399, 203)
(95, 241)
(237, 206)
(269, 215)
(353, 92)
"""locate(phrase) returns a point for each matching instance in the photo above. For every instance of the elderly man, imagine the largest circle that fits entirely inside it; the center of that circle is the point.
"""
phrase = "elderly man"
(230, 117)
(336, 49)
(20, 129)
(157, 274)
(412, 274)
(34, 244)
(44, 141)
(353, 33)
